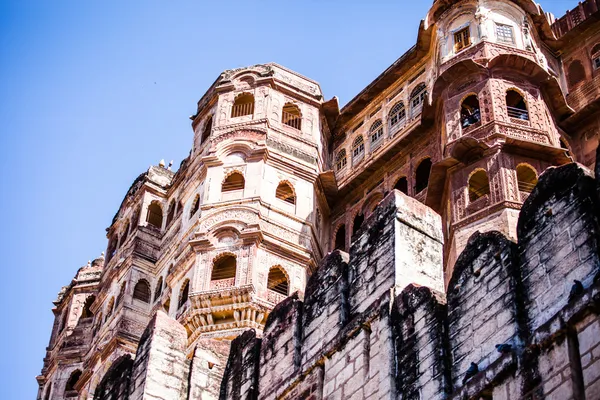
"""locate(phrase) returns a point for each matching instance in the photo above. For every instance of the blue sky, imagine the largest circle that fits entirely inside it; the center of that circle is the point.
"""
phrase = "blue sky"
(92, 93)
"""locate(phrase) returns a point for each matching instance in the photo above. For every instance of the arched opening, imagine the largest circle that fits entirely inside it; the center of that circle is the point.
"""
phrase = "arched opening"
(422, 175)
(87, 312)
(376, 134)
(402, 185)
(171, 212)
(121, 293)
(233, 182)
(141, 291)
(397, 117)
(479, 185)
(516, 106)
(71, 382)
(154, 216)
(469, 111)
(184, 293)
(340, 238)
(286, 193)
(291, 116)
(358, 149)
(48, 391)
(243, 105)
(207, 129)
(357, 224)
(159, 288)
(526, 177)
(224, 269)
(417, 99)
(277, 281)
(596, 56)
(196, 205)
(341, 160)
(576, 73)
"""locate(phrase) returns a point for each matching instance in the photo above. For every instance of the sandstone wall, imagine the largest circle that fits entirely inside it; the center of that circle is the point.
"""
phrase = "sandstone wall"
(513, 323)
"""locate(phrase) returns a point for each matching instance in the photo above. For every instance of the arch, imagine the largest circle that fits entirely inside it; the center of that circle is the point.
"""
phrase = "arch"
(224, 267)
(195, 205)
(576, 73)
(109, 308)
(278, 281)
(357, 223)
(291, 116)
(87, 312)
(141, 291)
(417, 99)
(527, 177)
(341, 160)
(516, 106)
(376, 133)
(159, 288)
(470, 113)
(243, 105)
(340, 238)
(402, 185)
(121, 293)
(154, 216)
(422, 175)
(184, 293)
(285, 192)
(171, 212)
(72, 381)
(358, 149)
(397, 117)
(234, 181)
(478, 185)
(207, 129)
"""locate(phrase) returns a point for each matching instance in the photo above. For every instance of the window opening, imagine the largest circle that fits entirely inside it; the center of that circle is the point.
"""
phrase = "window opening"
(527, 178)
(243, 105)
(417, 99)
(505, 34)
(159, 288)
(376, 134)
(184, 293)
(340, 238)
(277, 281)
(224, 268)
(358, 149)
(479, 185)
(73, 379)
(358, 221)
(171, 213)
(195, 206)
(286, 193)
(516, 106)
(470, 113)
(207, 129)
(154, 216)
(402, 185)
(422, 175)
(291, 116)
(462, 39)
(341, 160)
(141, 291)
(397, 116)
(87, 312)
(235, 181)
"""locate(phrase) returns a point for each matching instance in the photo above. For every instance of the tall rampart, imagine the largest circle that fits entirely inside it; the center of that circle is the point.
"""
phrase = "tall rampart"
(518, 320)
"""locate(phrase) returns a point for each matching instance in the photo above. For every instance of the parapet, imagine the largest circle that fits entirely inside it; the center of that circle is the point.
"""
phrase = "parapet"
(518, 319)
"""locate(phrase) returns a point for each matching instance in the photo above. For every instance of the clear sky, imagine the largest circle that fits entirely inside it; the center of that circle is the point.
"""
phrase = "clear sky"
(93, 92)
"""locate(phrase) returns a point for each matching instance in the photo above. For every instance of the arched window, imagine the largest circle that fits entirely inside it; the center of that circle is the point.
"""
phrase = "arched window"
(462, 39)
(376, 134)
(358, 150)
(234, 181)
(479, 185)
(125, 232)
(87, 312)
(417, 99)
(422, 175)
(184, 293)
(109, 308)
(243, 105)
(291, 116)
(72, 381)
(402, 185)
(526, 177)
(277, 281)
(159, 288)
(469, 111)
(141, 291)
(155, 215)
(207, 129)
(121, 293)
(576, 73)
(341, 160)
(196, 205)
(516, 106)
(397, 117)
(340, 238)
(286, 193)
(48, 391)
(596, 56)
(224, 268)
(171, 212)
(357, 224)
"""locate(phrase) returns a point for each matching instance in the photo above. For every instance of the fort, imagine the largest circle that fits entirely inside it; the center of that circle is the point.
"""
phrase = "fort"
(438, 237)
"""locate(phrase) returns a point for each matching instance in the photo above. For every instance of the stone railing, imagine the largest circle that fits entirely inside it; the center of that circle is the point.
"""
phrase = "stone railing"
(222, 283)
(274, 297)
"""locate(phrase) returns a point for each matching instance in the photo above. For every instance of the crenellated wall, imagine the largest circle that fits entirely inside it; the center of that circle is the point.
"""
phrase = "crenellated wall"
(374, 323)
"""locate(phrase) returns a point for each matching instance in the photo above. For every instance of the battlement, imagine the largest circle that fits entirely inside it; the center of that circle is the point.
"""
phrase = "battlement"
(375, 323)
